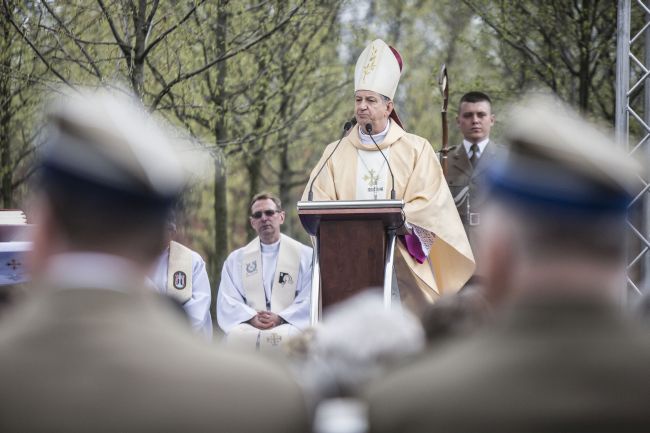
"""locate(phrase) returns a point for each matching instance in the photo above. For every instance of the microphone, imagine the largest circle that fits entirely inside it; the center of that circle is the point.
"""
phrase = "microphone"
(349, 124)
(392, 176)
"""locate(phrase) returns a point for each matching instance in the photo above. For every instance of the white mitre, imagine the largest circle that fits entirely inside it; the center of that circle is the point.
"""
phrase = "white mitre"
(378, 69)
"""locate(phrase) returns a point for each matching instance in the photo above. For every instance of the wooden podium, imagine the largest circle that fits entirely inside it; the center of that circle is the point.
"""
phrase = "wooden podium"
(354, 247)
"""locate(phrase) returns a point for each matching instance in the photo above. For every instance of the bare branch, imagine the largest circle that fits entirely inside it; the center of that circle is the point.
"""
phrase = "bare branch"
(207, 66)
(8, 16)
(126, 49)
(74, 39)
(164, 34)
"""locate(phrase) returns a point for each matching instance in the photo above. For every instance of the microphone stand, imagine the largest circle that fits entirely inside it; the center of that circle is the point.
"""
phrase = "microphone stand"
(349, 124)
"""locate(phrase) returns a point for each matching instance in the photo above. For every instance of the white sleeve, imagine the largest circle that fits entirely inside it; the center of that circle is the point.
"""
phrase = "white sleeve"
(197, 307)
(231, 304)
(298, 312)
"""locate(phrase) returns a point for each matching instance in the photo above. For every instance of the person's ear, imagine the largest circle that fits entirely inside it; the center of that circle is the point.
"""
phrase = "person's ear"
(389, 107)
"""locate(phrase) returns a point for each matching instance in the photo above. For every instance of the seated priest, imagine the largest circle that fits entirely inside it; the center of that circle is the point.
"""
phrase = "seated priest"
(180, 273)
(265, 286)
(434, 256)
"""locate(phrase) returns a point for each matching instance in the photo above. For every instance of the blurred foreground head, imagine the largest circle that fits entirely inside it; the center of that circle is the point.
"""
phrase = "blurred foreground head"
(358, 340)
(108, 177)
(555, 223)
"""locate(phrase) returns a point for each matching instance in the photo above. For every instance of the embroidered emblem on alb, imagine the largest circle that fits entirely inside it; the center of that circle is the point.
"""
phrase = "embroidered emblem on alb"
(285, 278)
(274, 339)
(251, 267)
(180, 280)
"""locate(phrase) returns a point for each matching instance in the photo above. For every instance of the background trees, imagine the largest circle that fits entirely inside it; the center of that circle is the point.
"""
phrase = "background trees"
(264, 85)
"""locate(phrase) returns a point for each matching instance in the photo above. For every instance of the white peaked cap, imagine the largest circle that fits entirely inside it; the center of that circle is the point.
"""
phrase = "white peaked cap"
(547, 128)
(109, 138)
(378, 69)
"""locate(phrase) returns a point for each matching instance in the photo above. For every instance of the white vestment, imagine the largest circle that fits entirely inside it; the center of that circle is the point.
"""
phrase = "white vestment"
(198, 307)
(232, 309)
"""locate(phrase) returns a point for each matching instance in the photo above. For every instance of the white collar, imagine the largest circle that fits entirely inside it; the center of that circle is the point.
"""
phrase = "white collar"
(270, 248)
(86, 270)
(379, 137)
(481, 146)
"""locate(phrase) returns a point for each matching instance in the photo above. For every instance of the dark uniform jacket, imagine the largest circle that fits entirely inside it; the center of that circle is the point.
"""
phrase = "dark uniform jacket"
(549, 367)
(465, 184)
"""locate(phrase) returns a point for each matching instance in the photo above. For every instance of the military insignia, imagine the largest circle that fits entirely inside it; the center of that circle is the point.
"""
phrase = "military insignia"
(180, 280)
(251, 267)
(285, 278)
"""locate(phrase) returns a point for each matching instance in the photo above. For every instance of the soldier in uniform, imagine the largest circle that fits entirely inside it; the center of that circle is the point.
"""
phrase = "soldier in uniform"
(561, 357)
(93, 349)
(468, 161)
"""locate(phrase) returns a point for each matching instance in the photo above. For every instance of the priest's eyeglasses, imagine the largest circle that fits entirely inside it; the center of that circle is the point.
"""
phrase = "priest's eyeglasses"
(269, 213)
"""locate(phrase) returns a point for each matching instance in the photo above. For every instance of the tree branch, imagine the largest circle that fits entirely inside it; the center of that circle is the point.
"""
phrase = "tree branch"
(164, 34)
(7, 15)
(126, 49)
(207, 66)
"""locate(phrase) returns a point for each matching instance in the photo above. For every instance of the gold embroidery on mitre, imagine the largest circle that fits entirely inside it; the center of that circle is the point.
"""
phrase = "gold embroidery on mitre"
(372, 63)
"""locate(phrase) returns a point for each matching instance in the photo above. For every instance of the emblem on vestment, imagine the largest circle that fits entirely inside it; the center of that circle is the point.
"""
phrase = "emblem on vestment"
(274, 339)
(285, 278)
(180, 280)
(371, 178)
(251, 267)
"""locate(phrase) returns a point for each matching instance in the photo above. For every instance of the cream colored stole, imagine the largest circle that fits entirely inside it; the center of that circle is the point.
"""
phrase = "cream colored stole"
(179, 272)
(285, 280)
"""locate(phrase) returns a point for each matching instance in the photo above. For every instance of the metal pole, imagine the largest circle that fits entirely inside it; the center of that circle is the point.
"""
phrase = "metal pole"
(314, 316)
(622, 71)
(622, 87)
(646, 117)
(388, 268)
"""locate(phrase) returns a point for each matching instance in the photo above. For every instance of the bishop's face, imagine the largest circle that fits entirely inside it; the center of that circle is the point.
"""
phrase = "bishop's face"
(370, 107)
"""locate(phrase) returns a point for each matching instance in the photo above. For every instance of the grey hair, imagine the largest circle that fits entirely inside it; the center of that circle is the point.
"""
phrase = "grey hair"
(386, 99)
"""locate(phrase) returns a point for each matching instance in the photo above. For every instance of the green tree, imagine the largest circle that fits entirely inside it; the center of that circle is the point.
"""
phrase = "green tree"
(567, 47)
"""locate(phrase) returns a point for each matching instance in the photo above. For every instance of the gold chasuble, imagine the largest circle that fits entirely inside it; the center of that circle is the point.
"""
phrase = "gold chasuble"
(428, 204)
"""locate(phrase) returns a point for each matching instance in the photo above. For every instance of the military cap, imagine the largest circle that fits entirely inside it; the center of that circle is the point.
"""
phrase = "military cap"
(557, 160)
(104, 142)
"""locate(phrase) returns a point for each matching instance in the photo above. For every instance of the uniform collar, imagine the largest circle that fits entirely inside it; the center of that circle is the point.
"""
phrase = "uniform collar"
(87, 270)
(481, 146)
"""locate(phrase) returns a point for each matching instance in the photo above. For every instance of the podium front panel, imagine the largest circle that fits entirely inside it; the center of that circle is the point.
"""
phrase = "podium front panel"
(353, 253)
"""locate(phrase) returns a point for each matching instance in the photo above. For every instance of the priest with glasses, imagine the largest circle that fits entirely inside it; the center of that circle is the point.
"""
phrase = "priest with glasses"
(265, 286)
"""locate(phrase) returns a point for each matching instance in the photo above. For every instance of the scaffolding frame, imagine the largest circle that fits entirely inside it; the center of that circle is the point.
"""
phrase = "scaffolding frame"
(633, 130)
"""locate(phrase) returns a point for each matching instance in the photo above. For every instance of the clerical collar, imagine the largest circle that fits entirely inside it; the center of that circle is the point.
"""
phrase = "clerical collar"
(481, 147)
(270, 248)
(379, 137)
